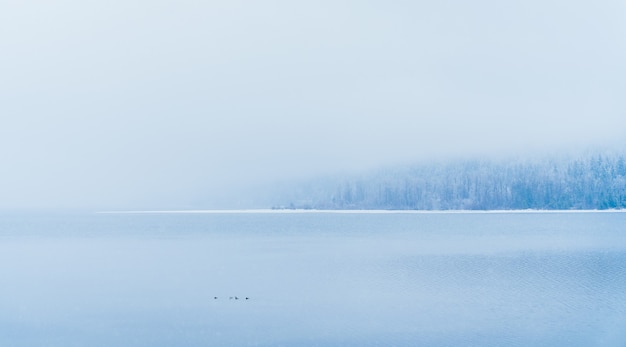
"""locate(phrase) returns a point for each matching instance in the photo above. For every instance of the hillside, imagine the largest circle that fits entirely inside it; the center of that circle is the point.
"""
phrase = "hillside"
(595, 181)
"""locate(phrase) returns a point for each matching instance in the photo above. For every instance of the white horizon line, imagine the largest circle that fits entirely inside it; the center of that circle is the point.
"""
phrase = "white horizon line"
(313, 211)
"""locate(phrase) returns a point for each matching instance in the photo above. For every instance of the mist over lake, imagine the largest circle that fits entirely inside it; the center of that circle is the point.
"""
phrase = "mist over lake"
(136, 105)
(310, 279)
(132, 104)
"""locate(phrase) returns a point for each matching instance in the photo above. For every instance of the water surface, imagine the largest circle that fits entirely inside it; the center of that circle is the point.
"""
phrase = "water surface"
(313, 279)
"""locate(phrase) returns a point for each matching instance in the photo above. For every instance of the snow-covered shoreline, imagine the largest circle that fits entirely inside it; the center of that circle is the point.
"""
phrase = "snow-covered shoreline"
(313, 211)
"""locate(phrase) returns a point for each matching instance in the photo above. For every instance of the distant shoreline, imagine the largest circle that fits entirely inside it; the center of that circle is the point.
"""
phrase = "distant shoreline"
(314, 211)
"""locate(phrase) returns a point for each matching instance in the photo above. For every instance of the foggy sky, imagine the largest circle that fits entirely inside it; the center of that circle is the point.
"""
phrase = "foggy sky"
(135, 103)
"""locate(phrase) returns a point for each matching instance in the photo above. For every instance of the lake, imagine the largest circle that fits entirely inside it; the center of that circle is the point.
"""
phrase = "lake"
(313, 279)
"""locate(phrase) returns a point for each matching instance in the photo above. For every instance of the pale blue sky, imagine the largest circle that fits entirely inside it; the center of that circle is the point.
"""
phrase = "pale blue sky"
(159, 103)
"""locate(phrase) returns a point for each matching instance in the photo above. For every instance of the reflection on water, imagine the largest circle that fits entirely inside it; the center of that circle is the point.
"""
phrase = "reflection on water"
(313, 279)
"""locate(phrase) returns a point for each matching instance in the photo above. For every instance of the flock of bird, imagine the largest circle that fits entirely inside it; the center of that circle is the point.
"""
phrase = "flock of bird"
(231, 298)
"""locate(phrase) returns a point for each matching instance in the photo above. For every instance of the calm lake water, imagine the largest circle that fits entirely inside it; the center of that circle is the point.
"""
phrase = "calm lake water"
(313, 279)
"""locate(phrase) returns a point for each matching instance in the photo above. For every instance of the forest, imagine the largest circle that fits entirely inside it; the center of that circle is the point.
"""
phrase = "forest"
(594, 181)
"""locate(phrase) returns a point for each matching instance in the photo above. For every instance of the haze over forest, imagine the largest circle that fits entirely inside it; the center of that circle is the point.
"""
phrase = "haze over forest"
(136, 104)
(591, 181)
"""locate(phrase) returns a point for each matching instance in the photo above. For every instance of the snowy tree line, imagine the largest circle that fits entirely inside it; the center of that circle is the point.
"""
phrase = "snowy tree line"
(586, 182)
